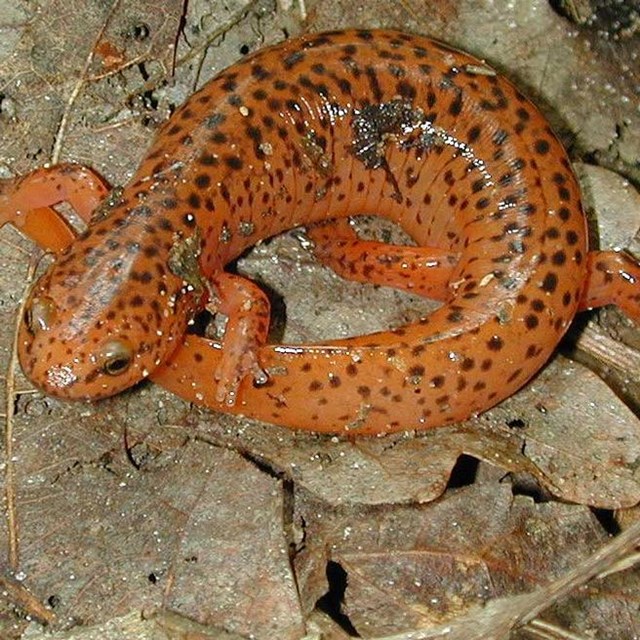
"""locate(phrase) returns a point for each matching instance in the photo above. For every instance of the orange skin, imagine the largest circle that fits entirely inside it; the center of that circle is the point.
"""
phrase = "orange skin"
(309, 132)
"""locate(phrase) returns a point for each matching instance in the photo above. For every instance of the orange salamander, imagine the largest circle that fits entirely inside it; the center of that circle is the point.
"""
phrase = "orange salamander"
(310, 132)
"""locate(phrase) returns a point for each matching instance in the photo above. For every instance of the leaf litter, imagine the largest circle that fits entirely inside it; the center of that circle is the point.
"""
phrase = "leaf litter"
(146, 515)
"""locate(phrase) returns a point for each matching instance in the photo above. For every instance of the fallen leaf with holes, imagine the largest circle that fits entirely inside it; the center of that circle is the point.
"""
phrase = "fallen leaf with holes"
(398, 568)
(579, 435)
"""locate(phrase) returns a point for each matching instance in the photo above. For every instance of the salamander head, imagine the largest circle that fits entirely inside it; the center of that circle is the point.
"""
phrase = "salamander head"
(102, 319)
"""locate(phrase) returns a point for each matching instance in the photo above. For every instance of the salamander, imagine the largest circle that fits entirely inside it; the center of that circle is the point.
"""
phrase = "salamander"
(308, 133)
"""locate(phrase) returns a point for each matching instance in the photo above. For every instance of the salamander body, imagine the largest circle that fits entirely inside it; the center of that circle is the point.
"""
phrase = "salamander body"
(310, 132)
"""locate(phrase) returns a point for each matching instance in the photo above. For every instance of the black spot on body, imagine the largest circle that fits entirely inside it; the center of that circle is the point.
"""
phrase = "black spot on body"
(474, 133)
(455, 108)
(572, 237)
(514, 375)
(467, 364)
(202, 181)
(364, 35)
(364, 391)
(208, 160)
(437, 382)
(214, 120)
(406, 90)
(542, 146)
(259, 72)
(550, 282)
(374, 85)
(531, 321)
(234, 162)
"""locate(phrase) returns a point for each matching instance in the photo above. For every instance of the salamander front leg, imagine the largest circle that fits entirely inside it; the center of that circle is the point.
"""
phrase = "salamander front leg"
(247, 309)
(613, 277)
(425, 271)
(27, 202)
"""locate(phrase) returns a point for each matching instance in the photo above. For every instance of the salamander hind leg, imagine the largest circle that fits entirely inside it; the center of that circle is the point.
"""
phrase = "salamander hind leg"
(613, 277)
(27, 202)
(425, 271)
(247, 309)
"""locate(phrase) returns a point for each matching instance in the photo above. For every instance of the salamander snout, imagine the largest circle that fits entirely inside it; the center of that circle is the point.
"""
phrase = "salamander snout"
(64, 368)
(80, 352)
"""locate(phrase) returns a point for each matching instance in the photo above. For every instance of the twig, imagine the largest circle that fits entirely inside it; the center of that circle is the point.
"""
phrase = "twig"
(618, 548)
(10, 489)
(179, 32)
(541, 629)
(120, 68)
(82, 78)
(621, 565)
(611, 353)
(499, 617)
(19, 595)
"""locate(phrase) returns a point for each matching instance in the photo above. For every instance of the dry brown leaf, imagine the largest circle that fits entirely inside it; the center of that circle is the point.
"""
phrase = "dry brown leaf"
(578, 434)
(410, 468)
(194, 529)
(230, 565)
(111, 498)
(410, 568)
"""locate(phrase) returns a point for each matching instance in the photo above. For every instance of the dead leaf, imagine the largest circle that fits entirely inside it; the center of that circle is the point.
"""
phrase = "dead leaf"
(124, 506)
(578, 434)
(194, 529)
(231, 564)
(407, 568)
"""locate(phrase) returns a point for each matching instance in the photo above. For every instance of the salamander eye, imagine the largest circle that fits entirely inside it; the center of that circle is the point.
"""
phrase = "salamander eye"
(115, 357)
(40, 315)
